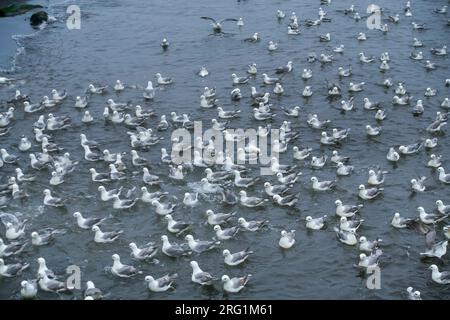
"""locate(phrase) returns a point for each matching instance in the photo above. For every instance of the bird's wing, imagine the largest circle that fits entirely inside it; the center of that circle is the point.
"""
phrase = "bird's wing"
(229, 19)
(208, 18)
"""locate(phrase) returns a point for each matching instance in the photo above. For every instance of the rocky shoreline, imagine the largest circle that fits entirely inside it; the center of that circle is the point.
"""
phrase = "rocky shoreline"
(16, 19)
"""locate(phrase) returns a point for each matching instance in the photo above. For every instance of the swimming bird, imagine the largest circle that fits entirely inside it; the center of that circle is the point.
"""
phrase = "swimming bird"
(199, 246)
(368, 246)
(175, 226)
(28, 289)
(369, 194)
(163, 80)
(429, 218)
(161, 284)
(236, 284)
(234, 259)
(254, 38)
(227, 233)
(199, 276)
(322, 185)
(105, 237)
(443, 177)
(51, 201)
(163, 208)
(12, 248)
(87, 223)
(173, 249)
(11, 270)
(344, 170)
(315, 223)
(122, 270)
(439, 277)
(346, 237)
(443, 209)
(400, 222)
(218, 218)
(164, 44)
(287, 239)
(418, 185)
(217, 25)
(252, 225)
(96, 90)
(346, 210)
(146, 252)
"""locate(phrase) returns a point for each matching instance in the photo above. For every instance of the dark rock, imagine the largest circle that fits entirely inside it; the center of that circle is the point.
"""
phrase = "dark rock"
(16, 9)
(38, 18)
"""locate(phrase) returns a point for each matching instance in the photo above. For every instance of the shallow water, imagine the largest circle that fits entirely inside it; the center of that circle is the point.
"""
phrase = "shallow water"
(120, 40)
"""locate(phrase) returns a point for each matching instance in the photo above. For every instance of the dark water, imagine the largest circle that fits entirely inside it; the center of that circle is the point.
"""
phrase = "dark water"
(120, 40)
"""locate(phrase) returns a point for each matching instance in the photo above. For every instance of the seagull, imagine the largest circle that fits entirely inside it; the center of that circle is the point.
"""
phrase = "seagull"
(434, 249)
(243, 182)
(163, 80)
(253, 225)
(161, 284)
(346, 210)
(42, 239)
(368, 194)
(218, 218)
(393, 155)
(122, 270)
(92, 292)
(87, 223)
(322, 185)
(105, 237)
(164, 44)
(199, 276)
(410, 149)
(376, 178)
(439, 277)
(123, 204)
(173, 249)
(368, 246)
(225, 234)
(346, 237)
(96, 90)
(234, 259)
(370, 261)
(163, 208)
(146, 252)
(217, 25)
(199, 246)
(287, 239)
(348, 225)
(254, 38)
(418, 185)
(52, 201)
(413, 295)
(443, 209)
(175, 226)
(400, 222)
(52, 285)
(287, 201)
(288, 178)
(12, 248)
(429, 218)
(28, 289)
(11, 270)
(315, 223)
(250, 202)
(343, 170)
(443, 177)
(236, 284)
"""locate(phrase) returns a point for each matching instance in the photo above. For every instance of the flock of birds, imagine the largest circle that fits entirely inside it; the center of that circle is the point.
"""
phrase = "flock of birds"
(225, 180)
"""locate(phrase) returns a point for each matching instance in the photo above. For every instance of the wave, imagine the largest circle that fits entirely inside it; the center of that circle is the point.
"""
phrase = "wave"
(20, 38)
